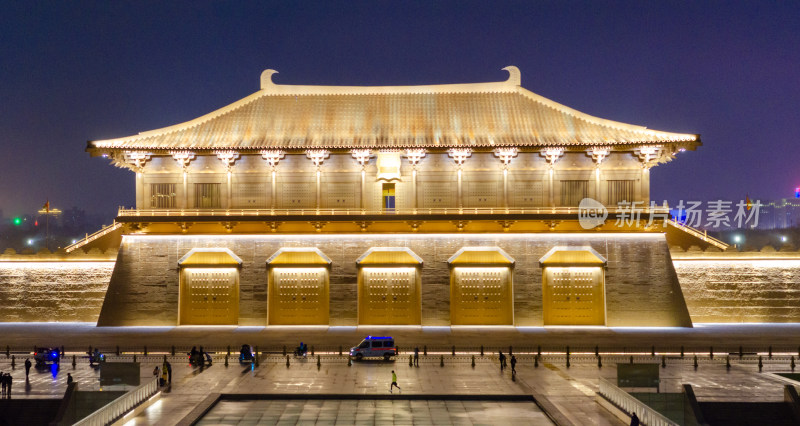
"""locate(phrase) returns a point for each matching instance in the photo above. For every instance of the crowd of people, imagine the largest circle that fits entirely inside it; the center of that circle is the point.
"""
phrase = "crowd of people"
(164, 373)
(199, 358)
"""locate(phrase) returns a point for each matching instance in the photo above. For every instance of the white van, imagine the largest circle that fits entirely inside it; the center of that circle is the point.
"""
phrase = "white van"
(374, 347)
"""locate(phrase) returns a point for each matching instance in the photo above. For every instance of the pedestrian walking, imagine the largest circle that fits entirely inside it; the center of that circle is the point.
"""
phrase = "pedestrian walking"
(27, 368)
(394, 383)
(634, 420)
(502, 361)
(416, 356)
(69, 379)
(2, 383)
(169, 371)
(513, 364)
(9, 381)
(155, 371)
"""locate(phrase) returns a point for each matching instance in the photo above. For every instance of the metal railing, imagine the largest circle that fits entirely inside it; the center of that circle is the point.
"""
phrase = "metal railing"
(701, 235)
(117, 408)
(89, 238)
(629, 404)
(355, 211)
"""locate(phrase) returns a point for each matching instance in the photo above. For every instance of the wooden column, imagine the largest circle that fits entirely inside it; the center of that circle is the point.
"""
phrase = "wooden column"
(318, 156)
(505, 155)
(459, 155)
(414, 156)
(273, 157)
(551, 155)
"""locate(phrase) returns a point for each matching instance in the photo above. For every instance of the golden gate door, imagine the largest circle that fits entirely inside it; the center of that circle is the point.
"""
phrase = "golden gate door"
(573, 296)
(298, 296)
(388, 296)
(481, 296)
(209, 296)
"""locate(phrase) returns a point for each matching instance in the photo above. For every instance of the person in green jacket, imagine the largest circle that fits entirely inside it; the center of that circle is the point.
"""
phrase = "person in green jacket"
(394, 383)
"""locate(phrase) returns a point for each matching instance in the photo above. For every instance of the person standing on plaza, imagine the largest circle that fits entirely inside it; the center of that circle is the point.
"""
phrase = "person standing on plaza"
(9, 381)
(169, 371)
(2, 383)
(416, 356)
(502, 361)
(513, 364)
(69, 379)
(27, 368)
(164, 374)
(394, 383)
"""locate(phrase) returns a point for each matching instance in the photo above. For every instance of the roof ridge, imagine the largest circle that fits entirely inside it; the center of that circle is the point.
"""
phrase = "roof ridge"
(575, 127)
(508, 85)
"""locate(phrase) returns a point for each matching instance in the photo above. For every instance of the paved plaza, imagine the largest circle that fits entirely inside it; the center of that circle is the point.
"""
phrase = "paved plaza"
(564, 395)
(430, 412)
(567, 394)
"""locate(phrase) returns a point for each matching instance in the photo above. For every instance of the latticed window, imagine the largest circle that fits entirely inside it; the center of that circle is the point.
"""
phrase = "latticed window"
(573, 191)
(249, 196)
(162, 195)
(619, 191)
(206, 196)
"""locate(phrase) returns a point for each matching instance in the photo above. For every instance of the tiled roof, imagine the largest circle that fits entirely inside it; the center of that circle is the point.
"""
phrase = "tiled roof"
(480, 115)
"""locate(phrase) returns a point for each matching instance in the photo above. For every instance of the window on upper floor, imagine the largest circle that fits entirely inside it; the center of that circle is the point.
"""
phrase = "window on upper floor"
(573, 191)
(619, 191)
(249, 195)
(206, 196)
(162, 196)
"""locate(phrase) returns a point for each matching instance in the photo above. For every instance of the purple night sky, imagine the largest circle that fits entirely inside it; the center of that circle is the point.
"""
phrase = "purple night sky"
(72, 73)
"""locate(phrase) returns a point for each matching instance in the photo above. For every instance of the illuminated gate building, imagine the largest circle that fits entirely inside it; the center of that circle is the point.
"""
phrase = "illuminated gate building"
(436, 205)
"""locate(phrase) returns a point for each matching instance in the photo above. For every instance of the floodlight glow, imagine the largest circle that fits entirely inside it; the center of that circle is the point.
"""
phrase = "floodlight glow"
(737, 238)
(30, 242)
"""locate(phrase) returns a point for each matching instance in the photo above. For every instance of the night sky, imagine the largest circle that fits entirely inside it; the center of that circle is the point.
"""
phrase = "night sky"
(72, 72)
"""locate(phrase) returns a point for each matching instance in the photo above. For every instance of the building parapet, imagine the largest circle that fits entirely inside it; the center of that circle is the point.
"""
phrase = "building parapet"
(643, 212)
(105, 230)
(697, 234)
(734, 255)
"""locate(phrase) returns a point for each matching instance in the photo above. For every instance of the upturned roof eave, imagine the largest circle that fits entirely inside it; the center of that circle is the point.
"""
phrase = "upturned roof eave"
(614, 146)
